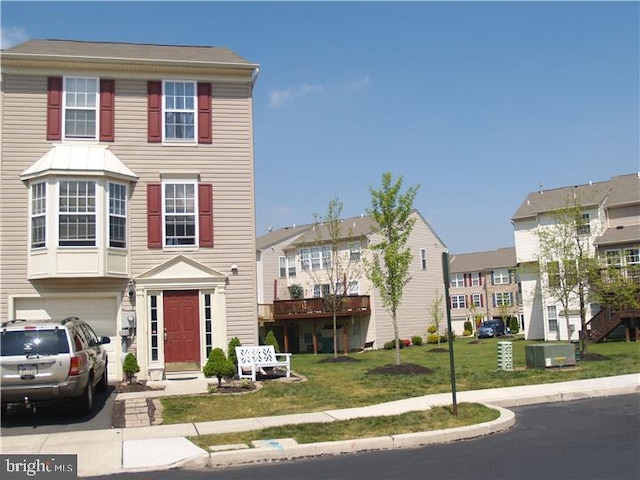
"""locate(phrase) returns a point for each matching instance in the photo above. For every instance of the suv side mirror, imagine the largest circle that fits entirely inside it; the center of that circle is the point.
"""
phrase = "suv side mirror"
(104, 340)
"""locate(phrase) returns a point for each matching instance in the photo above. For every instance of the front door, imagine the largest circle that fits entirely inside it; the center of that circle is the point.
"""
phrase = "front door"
(182, 332)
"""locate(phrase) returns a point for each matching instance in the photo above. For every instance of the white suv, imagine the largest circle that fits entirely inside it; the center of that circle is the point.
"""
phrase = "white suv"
(42, 361)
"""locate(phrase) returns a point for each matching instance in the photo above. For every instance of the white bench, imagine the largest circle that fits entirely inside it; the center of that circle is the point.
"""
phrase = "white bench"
(255, 358)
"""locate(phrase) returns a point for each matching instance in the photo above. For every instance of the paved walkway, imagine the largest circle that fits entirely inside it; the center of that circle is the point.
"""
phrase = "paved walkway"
(165, 446)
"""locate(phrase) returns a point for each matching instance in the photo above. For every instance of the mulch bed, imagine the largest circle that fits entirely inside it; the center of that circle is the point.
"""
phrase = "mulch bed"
(593, 357)
(439, 350)
(339, 359)
(402, 369)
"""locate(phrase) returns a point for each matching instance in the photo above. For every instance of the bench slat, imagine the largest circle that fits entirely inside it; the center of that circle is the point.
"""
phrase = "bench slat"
(254, 358)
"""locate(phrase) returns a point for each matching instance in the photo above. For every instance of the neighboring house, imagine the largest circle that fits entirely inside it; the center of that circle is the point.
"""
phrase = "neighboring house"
(483, 286)
(611, 211)
(296, 256)
(127, 196)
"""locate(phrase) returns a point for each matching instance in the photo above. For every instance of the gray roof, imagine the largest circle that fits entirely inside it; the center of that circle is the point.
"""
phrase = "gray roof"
(275, 237)
(125, 51)
(619, 235)
(354, 227)
(620, 190)
(482, 261)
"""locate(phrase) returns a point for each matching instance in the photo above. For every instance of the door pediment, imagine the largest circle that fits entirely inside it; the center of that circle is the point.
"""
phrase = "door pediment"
(181, 270)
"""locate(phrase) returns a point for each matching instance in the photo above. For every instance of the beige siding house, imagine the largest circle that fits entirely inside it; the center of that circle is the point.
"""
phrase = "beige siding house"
(127, 196)
(483, 286)
(611, 210)
(297, 257)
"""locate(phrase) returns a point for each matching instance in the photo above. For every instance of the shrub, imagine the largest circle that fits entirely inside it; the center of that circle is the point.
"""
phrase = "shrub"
(432, 329)
(433, 338)
(296, 292)
(416, 340)
(233, 343)
(468, 327)
(514, 325)
(271, 339)
(130, 366)
(218, 366)
(466, 333)
(391, 344)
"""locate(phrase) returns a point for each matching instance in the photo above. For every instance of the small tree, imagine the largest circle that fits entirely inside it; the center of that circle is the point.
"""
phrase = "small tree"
(271, 339)
(388, 269)
(233, 343)
(436, 314)
(218, 366)
(296, 292)
(130, 366)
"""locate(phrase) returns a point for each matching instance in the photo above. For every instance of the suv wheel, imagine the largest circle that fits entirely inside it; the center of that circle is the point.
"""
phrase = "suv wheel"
(102, 384)
(84, 403)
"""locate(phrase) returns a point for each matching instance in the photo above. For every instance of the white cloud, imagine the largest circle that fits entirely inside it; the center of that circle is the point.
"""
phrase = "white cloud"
(359, 84)
(10, 36)
(280, 98)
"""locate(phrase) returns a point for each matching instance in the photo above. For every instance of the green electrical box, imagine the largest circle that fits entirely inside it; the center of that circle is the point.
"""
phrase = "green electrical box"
(550, 355)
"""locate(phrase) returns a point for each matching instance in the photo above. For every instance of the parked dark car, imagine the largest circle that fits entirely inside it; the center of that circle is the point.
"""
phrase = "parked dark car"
(491, 328)
(44, 361)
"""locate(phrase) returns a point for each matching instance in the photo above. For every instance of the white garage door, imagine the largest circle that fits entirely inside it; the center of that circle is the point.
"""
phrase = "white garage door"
(101, 313)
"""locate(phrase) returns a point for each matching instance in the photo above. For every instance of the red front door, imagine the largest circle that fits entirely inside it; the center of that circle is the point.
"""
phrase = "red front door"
(182, 332)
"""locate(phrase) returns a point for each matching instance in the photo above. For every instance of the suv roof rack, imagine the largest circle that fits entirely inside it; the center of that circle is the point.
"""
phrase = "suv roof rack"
(69, 319)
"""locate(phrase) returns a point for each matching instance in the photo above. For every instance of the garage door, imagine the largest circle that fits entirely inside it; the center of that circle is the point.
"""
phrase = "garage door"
(100, 313)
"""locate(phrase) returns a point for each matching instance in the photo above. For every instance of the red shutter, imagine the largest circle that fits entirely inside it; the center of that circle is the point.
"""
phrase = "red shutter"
(154, 215)
(480, 277)
(205, 215)
(481, 300)
(154, 111)
(54, 108)
(107, 105)
(204, 113)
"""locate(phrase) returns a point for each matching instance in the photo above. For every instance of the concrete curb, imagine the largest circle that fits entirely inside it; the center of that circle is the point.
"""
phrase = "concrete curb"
(408, 440)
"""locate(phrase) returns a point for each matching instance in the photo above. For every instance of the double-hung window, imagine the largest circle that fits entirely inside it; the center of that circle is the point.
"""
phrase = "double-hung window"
(501, 277)
(552, 318)
(632, 256)
(475, 279)
(117, 215)
(502, 299)
(80, 107)
(354, 251)
(180, 225)
(458, 301)
(423, 258)
(39, 215)
(457, 280)
(77, 213)
(180, 110)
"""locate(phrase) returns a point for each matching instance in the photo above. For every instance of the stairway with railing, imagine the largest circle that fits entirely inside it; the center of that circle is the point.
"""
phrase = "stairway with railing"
(605, 321)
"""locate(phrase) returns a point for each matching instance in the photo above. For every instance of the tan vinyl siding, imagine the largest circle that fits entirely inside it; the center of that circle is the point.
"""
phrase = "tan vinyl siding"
(624, 216)
(227, 164)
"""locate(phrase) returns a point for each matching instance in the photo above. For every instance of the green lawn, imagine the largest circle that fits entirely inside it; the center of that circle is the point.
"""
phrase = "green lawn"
(345, 385)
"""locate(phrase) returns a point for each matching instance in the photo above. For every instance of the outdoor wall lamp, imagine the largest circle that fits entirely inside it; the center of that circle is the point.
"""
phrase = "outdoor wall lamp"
(234, 269)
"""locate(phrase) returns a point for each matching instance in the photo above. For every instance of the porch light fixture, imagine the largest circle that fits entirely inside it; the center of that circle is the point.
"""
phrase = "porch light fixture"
(131, 288)
(234, 269)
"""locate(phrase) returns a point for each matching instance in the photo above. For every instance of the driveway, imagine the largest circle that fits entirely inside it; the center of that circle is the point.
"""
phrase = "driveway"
(59, 417)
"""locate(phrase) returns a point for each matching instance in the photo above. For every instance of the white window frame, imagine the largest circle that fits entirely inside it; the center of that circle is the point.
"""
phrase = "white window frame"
(501, 299)
(355, 250)
(475, 279)
(458, 301)
(88, 211)
(38, 215)
(457, 280)
(291, 266)
(117, 207)
(501, 277)
(584, 229)
(177, 213)
(282, 267)
(632, 256)
(178, 104)
(613, 258)
(423, 258)
(476, 299)
(552, 318)
(80, 101)
(315, 258)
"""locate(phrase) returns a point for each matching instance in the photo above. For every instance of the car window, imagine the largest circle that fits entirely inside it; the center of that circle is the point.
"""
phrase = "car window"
(33, 342)
(90, 335)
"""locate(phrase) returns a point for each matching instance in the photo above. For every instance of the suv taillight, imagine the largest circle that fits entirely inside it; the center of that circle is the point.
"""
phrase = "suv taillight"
(77, 364)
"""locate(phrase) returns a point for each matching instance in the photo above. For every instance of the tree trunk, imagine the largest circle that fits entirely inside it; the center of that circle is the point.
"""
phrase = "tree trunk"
(397, 338)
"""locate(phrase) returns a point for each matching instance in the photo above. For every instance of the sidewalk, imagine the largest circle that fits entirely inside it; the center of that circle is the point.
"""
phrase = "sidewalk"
(165, 446)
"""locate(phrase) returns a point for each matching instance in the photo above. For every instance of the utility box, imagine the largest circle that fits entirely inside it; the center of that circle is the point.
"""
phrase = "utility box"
(550, 355)
(505, 356)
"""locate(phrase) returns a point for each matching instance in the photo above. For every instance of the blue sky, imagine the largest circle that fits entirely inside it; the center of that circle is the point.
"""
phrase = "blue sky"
(477, 102)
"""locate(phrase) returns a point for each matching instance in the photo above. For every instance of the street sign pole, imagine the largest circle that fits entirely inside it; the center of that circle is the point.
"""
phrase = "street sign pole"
(447, 301)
